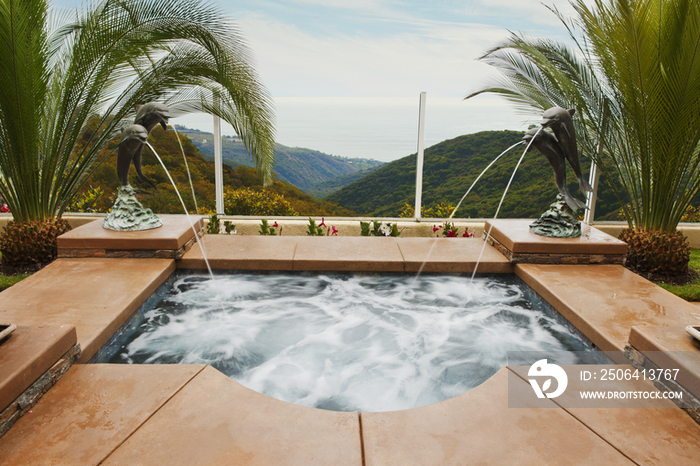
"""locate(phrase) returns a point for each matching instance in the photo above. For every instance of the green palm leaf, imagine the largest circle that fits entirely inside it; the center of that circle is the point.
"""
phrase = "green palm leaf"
(634, 78)
(58, 75)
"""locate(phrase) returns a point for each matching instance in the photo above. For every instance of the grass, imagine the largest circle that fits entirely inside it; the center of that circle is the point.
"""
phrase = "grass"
(691, 291)
(7, 281)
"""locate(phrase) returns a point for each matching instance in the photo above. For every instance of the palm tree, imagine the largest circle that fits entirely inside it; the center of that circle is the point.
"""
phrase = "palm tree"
(58, 71)
(633, 76)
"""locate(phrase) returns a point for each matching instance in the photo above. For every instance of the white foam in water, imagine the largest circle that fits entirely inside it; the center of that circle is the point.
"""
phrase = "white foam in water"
(349, 343)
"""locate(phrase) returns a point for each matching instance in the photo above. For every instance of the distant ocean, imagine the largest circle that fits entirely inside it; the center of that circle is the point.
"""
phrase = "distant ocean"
(381, 129)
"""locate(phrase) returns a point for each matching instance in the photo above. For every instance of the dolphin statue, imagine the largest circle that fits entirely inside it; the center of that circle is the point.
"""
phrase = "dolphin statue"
(131, 143)
(151, 114)
(550, 148)
(148, 116)
(559, 120)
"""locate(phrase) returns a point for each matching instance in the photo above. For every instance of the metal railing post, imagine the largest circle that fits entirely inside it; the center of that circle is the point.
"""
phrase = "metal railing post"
(419, 157)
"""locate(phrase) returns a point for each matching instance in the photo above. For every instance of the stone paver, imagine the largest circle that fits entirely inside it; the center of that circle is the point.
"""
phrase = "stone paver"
(29, 353)
(94, 295)
(478, 428)
(215, 421)
(348, 254)
(226, 252)
(451, 255)
(606, 301)
(154, 415)
(90, 412)
(658, 434)
(174, 233)
(515, 235)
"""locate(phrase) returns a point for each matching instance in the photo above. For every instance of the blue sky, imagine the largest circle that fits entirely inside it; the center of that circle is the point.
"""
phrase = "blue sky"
(346, 75)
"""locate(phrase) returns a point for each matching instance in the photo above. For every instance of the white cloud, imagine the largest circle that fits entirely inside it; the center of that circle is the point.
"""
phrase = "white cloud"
(439, 59)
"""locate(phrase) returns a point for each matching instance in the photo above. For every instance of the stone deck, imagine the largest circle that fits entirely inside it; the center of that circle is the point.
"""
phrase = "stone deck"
(193, 415)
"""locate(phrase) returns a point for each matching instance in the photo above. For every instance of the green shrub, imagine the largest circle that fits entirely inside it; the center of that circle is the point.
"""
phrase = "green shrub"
(651, 252)
(375, 228)
(442, 209)
(33, 242)
(217, 227)
(247, 201)
(269, 230)
(321, 229)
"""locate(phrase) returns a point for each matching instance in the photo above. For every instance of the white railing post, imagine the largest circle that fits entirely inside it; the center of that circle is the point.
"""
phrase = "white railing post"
(592, 197)
(419, 157)
(218, 167)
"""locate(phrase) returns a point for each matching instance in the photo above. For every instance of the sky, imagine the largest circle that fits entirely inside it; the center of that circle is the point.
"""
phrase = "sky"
(346, 75)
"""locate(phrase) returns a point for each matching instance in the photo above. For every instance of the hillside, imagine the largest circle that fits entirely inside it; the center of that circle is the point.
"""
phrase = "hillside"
(451, 166)
(304, 168)
(164, 200)
(326, 188)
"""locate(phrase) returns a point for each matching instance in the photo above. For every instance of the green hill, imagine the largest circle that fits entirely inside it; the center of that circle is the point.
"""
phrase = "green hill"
(451, 166)
(164, 200)
(304, 168)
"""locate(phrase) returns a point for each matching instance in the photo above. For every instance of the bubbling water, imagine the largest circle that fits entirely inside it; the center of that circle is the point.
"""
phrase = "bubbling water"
(347, 343)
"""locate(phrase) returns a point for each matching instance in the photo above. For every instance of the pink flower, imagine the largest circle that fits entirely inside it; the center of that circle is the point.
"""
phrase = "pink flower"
(323, 222)
(4, 208)
(467, 234)
(334, 232)
(435, 228)
(451, 234)
(274, 225)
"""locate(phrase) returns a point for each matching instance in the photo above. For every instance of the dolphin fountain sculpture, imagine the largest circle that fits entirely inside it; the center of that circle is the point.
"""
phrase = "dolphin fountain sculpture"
(559, 120)
(148, 116)
(128, 214)
(560, 220)
(550, 148)
(130, 146)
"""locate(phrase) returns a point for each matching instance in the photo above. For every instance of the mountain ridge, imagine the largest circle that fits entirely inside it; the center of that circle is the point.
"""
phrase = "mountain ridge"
(451, 166)
(302, 167)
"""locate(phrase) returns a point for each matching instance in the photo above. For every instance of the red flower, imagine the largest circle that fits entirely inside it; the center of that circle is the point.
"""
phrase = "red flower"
(323, 222)
(435, 228)
(334, 232)
(274, 225)
(451, 234)
(467, 234)
(4, 208)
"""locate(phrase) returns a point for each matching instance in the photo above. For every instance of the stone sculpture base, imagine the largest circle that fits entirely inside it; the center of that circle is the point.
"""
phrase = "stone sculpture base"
(558, 222)
(129, 215)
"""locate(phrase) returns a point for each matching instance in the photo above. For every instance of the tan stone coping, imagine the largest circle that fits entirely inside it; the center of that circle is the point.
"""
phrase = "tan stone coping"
(29, 353)
(192, 414)
(356, 254)
(516, 236)
(175, 232)
(670, 347)
(174, 414)
(605, 301)
(94, 295)
(114, 414)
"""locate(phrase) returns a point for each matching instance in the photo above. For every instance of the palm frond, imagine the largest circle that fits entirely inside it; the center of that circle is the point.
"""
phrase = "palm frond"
(96, 68)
